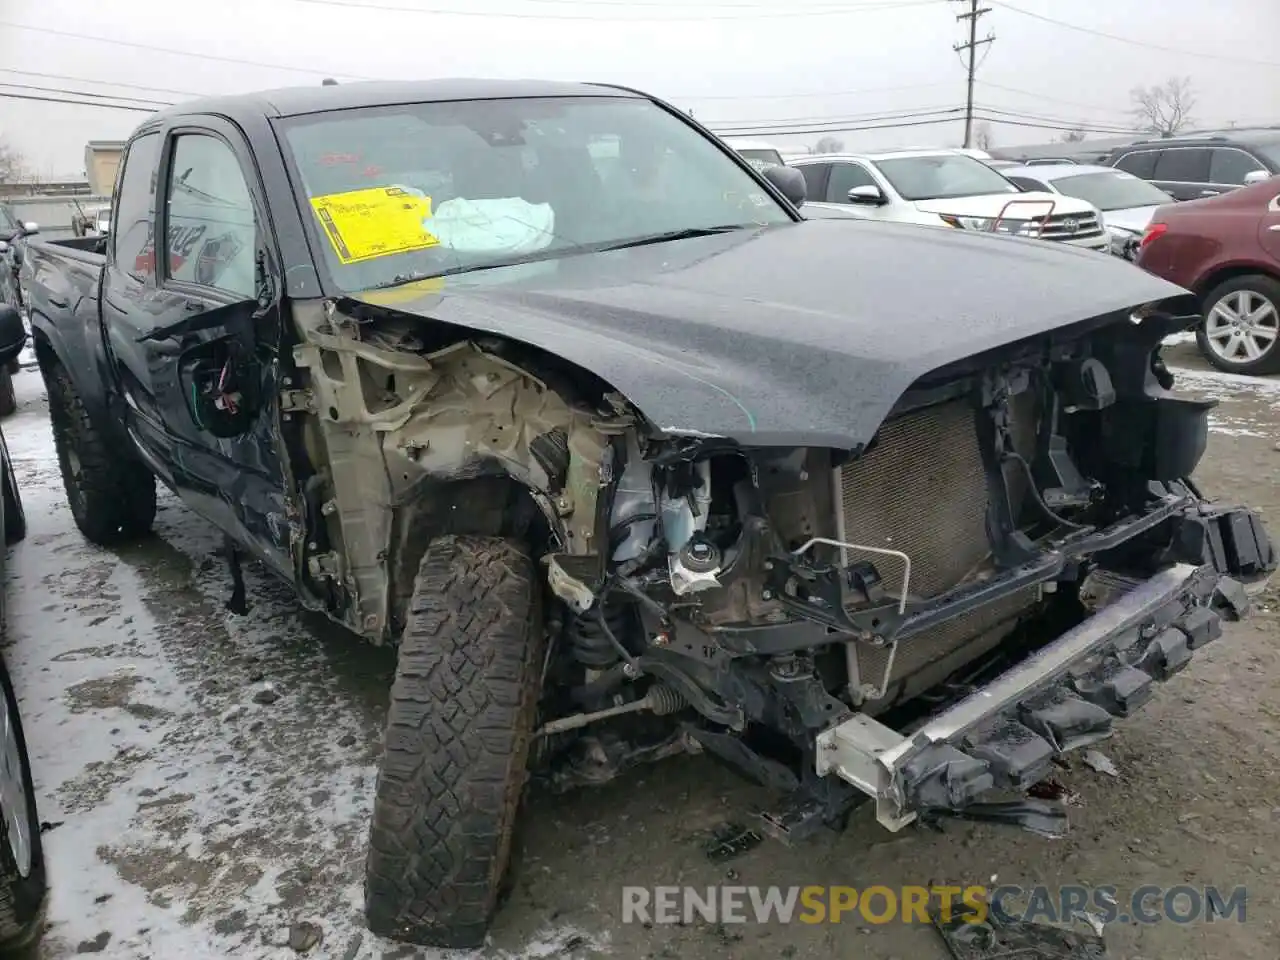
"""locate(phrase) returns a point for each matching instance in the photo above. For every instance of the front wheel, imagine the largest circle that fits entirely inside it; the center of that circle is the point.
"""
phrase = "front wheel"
(459, 727)
(1240, 332)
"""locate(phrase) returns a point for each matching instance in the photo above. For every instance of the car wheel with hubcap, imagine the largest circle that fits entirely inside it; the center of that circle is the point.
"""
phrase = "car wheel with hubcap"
(1241, 328)
(23, 883)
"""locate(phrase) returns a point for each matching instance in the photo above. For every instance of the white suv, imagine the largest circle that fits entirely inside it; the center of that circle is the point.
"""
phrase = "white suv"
(947, 188)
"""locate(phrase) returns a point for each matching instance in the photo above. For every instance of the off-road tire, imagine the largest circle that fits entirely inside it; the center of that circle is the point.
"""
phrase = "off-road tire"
(1256, 283)
(15, 518)
(112, 495)
(459, 727)
(8, 398)
(22, 899)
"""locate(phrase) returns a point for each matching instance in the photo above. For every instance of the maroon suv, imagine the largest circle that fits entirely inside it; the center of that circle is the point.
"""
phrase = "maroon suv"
(1227, 250)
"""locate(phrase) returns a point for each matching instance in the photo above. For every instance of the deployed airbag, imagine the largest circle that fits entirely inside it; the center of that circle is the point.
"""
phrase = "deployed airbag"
(498, 227)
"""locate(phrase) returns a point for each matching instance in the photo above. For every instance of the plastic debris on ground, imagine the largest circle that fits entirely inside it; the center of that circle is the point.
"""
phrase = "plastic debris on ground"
(1100, 762)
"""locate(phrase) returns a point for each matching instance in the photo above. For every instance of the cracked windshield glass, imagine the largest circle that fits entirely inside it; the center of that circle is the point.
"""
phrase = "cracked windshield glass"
(416, 191)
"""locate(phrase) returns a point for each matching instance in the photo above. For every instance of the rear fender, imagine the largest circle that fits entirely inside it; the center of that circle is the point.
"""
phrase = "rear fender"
(81, 354)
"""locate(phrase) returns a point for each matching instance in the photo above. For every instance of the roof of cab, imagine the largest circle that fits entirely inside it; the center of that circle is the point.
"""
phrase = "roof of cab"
(296, 101)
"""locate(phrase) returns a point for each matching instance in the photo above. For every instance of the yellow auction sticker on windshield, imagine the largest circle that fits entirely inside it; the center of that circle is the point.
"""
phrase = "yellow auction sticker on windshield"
(374, 222)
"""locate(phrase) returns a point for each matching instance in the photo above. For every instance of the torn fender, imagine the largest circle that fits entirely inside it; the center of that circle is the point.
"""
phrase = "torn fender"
(801, 334)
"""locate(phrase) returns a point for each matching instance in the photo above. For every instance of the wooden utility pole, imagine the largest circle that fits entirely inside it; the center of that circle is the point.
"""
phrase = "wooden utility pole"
(972, 16)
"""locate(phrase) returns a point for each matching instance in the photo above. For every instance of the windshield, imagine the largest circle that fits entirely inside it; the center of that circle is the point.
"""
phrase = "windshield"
(944, 176)
(1271, 151)
(412, 191)
(762, 158)
(1112, 190)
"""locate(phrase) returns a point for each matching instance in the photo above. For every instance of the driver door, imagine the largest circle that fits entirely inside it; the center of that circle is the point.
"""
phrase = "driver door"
(215, 335)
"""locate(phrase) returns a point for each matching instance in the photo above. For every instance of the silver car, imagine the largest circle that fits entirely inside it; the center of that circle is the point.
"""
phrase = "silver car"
(1127, 202)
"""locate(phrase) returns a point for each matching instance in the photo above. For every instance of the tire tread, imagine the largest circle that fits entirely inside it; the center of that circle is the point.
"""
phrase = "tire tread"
(119, 492)
(457, 743)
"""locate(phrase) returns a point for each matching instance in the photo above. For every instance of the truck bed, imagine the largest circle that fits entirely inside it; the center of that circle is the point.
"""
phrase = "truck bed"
(60, 281)
(58, 273)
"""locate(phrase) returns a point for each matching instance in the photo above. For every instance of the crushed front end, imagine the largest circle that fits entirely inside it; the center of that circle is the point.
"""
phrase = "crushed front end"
(1012, 563)
(1009, 564)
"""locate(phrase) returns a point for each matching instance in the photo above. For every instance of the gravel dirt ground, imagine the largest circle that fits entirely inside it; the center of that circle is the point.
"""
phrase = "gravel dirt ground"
(206, 778)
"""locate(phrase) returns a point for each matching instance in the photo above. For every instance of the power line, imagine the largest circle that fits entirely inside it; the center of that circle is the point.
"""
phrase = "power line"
(176, 53)
(105, 83)
(85, 93)
(802, 121)
(1232, 58)
(1023, 115)
(1042, 125)
(975, 12)
(841, 5)
(848, 128)
(78, 103)
(837, 124)
(509, 15)
(816, 93)
(606, 4)
(1041, 96)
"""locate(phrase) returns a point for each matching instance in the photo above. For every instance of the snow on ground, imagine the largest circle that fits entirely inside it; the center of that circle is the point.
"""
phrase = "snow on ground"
(1247, 406)
(208, 777)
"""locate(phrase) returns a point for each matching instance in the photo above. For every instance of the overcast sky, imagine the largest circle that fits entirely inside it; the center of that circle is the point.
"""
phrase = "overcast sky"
(730, 61)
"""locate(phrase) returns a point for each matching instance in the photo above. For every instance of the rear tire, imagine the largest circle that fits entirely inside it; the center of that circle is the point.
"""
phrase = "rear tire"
(459, 728)
(1223, 344)
(111, 493)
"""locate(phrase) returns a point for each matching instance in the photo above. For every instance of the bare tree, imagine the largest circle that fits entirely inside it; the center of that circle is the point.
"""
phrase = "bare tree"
(12, 167)
(1074, 136)
(828, 145)
(983, 138)
(1165, 108)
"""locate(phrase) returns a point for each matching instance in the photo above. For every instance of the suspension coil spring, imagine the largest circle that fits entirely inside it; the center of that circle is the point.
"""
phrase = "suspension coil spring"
(590, 644)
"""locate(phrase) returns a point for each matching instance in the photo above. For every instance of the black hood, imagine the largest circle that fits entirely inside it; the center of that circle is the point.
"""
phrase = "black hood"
(804, 334)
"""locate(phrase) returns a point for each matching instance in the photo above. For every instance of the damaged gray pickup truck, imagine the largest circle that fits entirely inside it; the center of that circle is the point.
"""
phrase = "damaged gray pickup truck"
(543, 384)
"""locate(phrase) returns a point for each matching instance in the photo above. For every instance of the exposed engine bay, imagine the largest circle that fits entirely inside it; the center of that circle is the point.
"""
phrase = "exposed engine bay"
(709, 595)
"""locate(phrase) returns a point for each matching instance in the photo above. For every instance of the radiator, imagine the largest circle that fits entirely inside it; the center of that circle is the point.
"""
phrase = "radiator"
(921, 490)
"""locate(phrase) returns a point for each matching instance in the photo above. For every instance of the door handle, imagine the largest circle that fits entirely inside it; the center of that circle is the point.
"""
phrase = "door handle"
(59, 303)
(1274, 228)
(193, 306)
(1210, 193)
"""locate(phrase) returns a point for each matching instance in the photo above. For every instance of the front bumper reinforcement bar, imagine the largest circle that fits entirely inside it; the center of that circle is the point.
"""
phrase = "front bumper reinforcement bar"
(1005, 735)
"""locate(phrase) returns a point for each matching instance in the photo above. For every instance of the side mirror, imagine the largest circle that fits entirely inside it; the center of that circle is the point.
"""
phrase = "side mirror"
(789, 181)
(13, 334)
(30, 227)
(869, 195)
(1256, 176)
